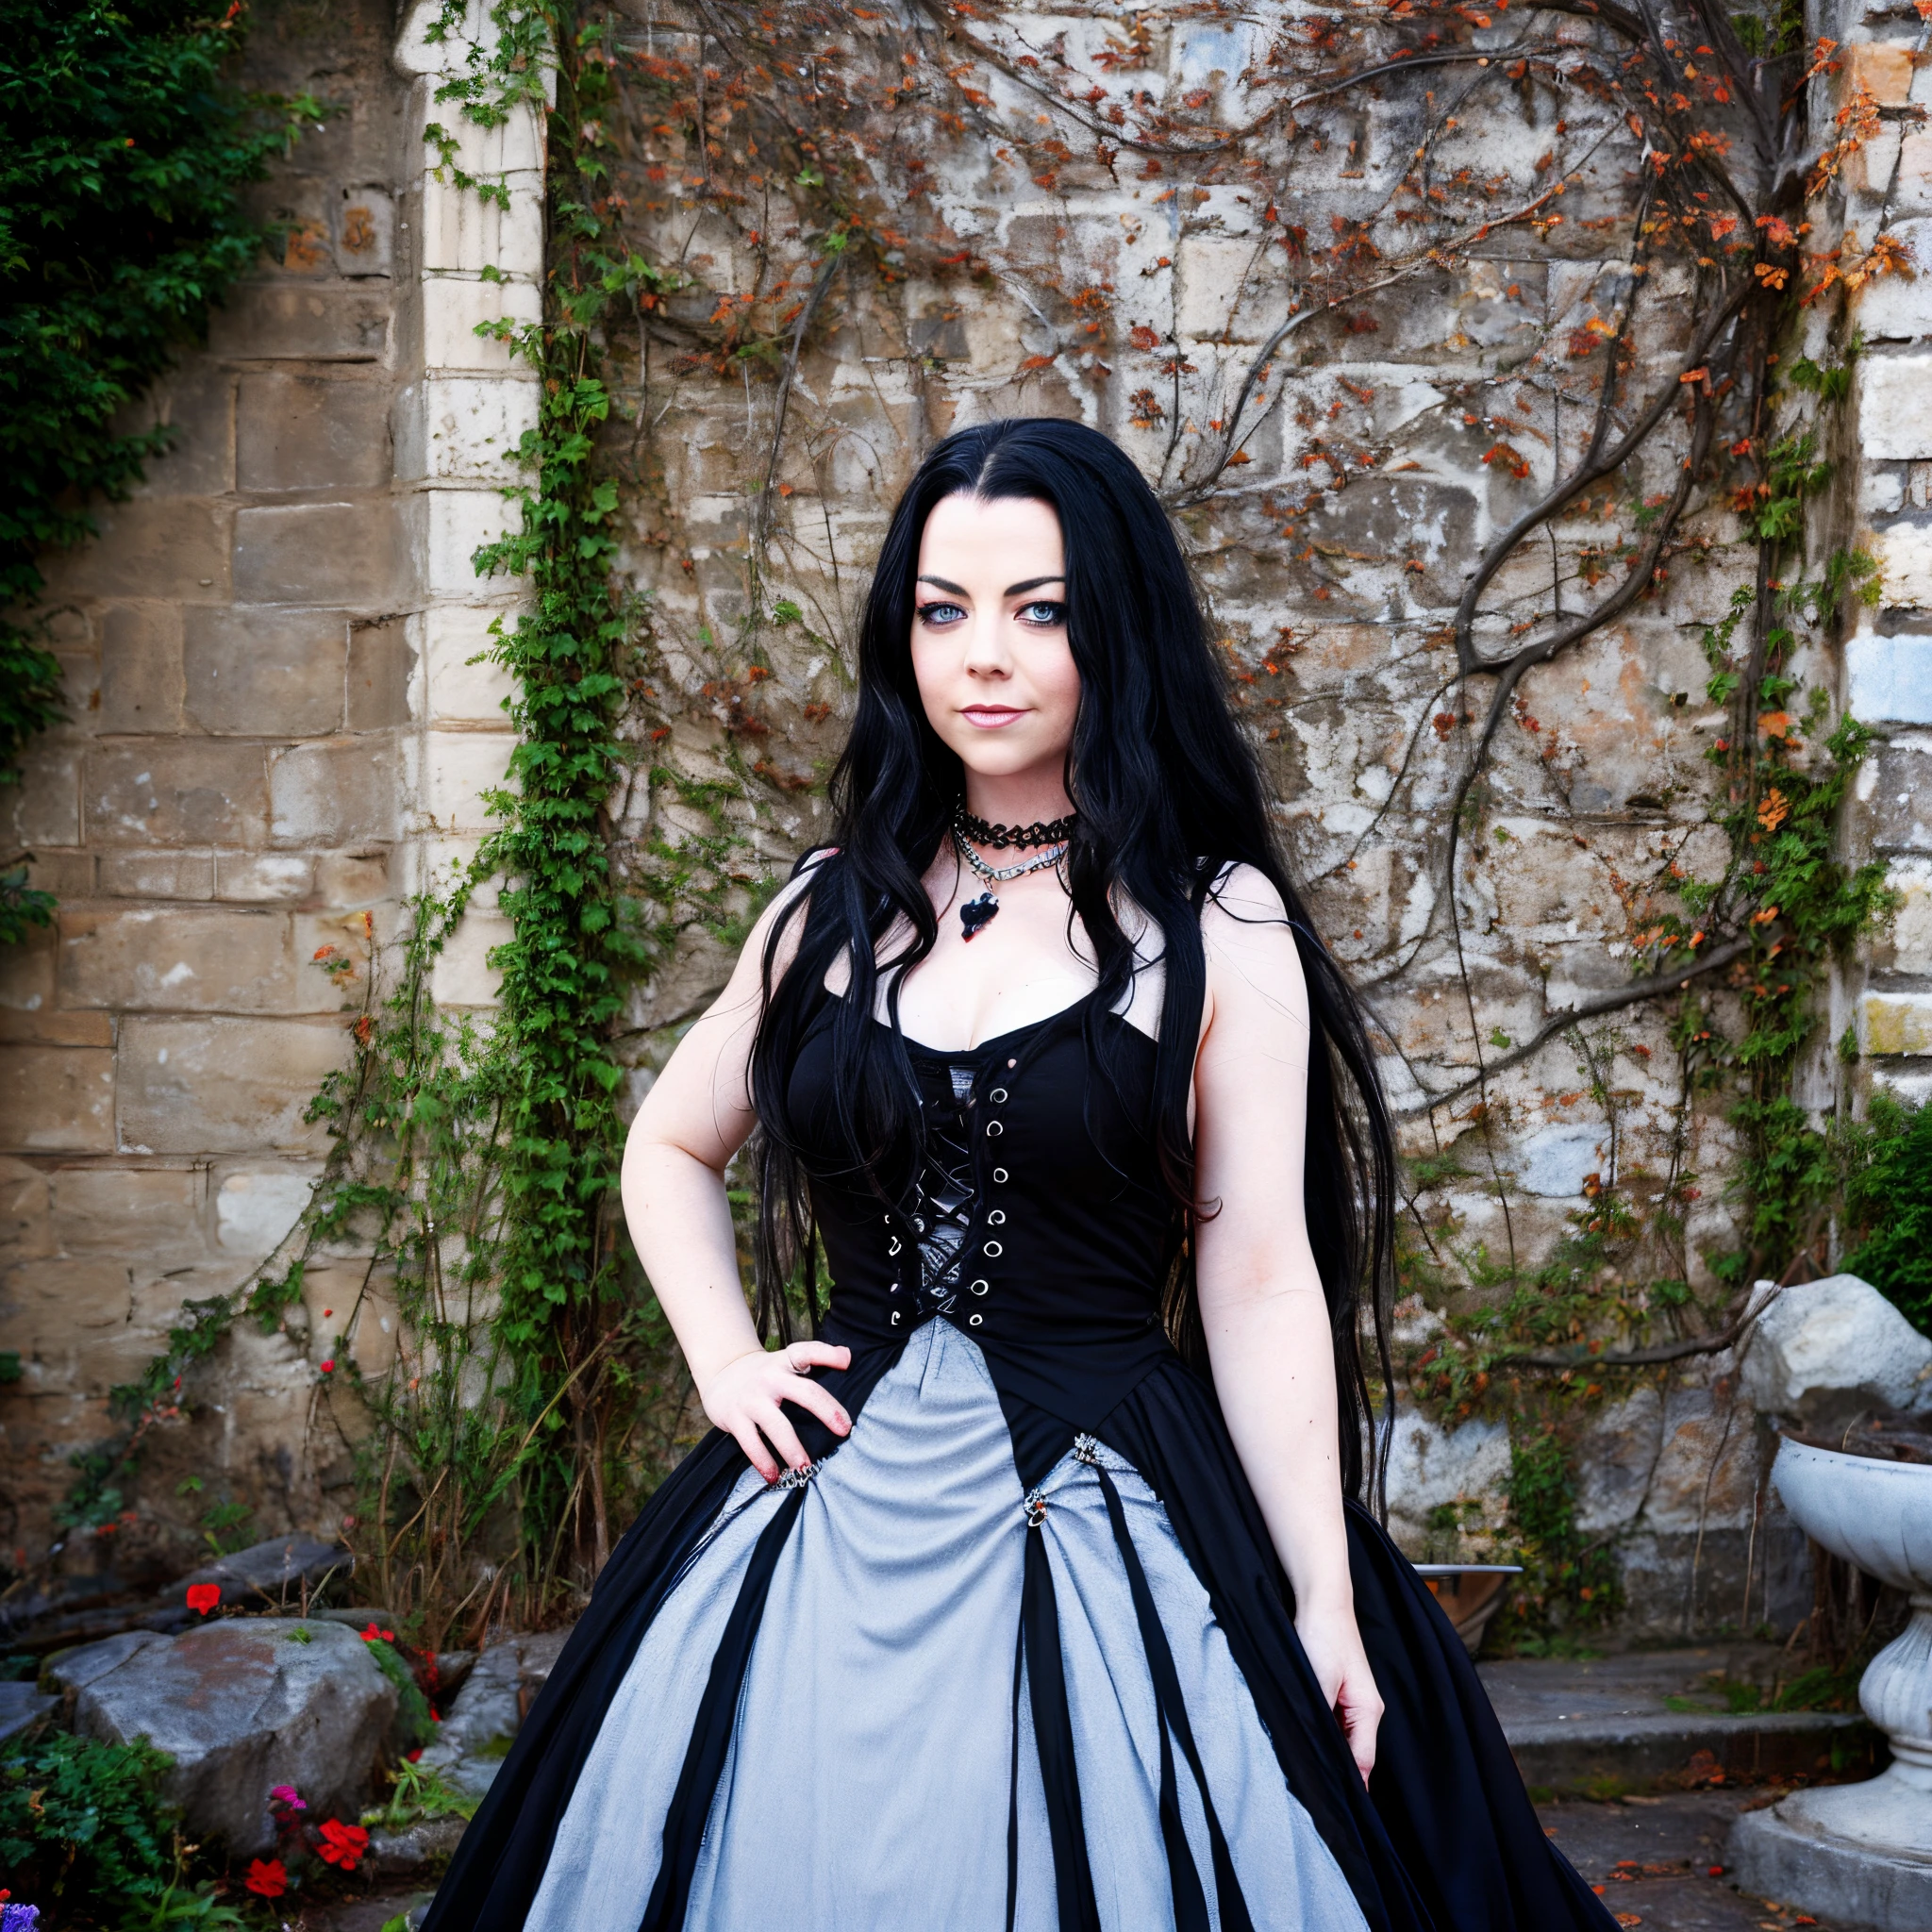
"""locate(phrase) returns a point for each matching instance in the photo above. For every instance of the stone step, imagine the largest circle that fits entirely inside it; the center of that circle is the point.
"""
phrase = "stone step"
(1599, 1726)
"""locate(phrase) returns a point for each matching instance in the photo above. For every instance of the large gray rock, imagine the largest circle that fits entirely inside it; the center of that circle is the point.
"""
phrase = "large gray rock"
(272, 1574)
(475, 1736)
(244, 1705)
(21, 1706)
(68, 1672)
(1822, 1351)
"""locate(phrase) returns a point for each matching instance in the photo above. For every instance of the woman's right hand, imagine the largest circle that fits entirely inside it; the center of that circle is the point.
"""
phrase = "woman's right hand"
(743, 1398)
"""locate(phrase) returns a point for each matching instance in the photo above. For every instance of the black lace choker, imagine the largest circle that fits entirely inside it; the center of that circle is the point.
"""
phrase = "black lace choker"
(1000, 837)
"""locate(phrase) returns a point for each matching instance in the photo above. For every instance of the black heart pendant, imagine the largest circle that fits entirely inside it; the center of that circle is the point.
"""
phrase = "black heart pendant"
(975, 914)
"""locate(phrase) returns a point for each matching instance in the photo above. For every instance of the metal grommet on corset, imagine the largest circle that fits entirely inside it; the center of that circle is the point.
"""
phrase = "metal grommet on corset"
(974, 1320)
(895, 1318)
(997, 1218)
(994, 1129)
(993, 1249)
(999, 1174)
(896, 1245)
(997, 1094)
(979, 1287)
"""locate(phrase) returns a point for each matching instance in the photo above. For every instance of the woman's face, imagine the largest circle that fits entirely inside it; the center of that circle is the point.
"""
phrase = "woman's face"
(989, 636)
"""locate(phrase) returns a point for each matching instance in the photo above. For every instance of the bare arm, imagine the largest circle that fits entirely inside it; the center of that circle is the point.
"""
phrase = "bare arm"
(696, 1116)
(1261, 1300)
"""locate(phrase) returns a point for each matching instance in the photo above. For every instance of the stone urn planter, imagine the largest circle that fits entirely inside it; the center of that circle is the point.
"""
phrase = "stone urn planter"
(1860, 1854)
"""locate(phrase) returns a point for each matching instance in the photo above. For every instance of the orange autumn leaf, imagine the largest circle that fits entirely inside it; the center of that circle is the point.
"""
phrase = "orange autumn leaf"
(1775, 809)
(1775, 724)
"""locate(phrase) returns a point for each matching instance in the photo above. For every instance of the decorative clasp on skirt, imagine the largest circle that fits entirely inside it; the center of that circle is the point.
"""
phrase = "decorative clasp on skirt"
(1035, 1507)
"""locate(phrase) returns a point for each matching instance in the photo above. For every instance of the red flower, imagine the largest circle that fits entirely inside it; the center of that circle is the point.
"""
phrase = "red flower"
(203, 1597)
(371, 1633)
(342, 1844)
(328, 1367)
(267, 1877)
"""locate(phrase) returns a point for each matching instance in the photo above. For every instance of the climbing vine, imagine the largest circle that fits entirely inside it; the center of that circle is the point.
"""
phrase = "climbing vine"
(126, 145)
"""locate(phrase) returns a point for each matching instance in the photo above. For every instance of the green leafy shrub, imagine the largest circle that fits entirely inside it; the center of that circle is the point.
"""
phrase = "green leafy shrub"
(83, 1826)
(1889, 1206)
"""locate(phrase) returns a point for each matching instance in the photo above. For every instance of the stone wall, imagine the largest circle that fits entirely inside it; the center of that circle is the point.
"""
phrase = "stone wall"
(278, 730)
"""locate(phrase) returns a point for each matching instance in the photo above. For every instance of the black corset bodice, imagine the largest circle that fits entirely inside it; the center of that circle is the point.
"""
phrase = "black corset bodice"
(1053, 1254)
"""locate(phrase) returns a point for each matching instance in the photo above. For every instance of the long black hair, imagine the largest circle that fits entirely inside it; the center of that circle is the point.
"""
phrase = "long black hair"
(1168, 792)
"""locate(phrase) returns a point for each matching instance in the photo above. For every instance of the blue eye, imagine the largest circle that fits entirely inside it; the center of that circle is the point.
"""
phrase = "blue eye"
(1045, 611)
(939, 613)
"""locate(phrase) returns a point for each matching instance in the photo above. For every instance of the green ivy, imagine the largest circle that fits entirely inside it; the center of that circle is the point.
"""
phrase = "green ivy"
(123, 146)
(83, 1826)
(1888, 1204)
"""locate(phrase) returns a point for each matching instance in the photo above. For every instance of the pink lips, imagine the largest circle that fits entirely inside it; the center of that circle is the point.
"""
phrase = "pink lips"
(990, 717)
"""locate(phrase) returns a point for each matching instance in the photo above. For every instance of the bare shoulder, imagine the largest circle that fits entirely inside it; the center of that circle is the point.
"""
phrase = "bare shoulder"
(1250, 945)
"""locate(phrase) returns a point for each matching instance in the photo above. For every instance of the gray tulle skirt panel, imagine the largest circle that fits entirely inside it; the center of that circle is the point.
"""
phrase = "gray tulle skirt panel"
(872, 1778)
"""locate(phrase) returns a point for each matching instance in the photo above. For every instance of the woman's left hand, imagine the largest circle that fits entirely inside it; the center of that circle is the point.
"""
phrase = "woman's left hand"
(1334, 1649)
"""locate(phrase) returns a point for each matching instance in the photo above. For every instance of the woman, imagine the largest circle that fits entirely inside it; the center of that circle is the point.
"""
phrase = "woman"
(1034, 1589)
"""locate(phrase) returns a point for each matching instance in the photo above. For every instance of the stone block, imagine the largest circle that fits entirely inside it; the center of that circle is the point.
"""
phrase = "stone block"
(195, 402)
(1903, 553)
(57, 1100)
(255, 1211)
(1914, 196)
(1888, 680)
(453, 307)
(334, 792)
(458, 523)
(1897, 307)
(458, 767)
(223, 1085)
(313, 433)
(1898, 1023)
(65, 1295)
(472, 426)
(1430, 1466)
(178, 792)
(262, 878)
(140, 668)
(1706, 1469)
(1615, 1460)
(463, 686)
(158, 874)
(1824, 1351)
(463, 234)
(462, 974)
(149, 546)
(153, 1211)
(1895, 783)
(263, 672)
(489, 1709)
(380, 661)
(1895, 407)
(277, 321)
(44, 808)
(365, 232)
(185, 960)
(1908, 946)
(1883, 69)
(352, 878)
(318, 553)
(240, 1707)
(1552, 1160)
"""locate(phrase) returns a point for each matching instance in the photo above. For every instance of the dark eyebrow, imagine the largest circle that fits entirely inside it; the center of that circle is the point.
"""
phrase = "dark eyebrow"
(1012, 590)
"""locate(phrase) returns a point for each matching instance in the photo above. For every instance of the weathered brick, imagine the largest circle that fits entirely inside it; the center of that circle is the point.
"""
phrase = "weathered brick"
(1904, 551)
(222, 1085)
(451, 309)
(262, 877)
(57, 1100)
(312, 432)
(1898, 1023)
(277, 321)
(60, 1296)
(334, 793)
(181, 791)
(352, 878)
(1895, 407)
(1883, 69)
(265, 672)
(44, 808)
(365, 228)
(140, 668)
(154, 547)
(254, 1208)
(154, 1212)
(158, 874)
(318, 553)
(26, 1219)
(195, 402)
(380, 661)
(185, 960)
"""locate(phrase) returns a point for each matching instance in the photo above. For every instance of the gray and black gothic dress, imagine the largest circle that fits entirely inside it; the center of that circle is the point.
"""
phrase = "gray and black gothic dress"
(1017, 1653)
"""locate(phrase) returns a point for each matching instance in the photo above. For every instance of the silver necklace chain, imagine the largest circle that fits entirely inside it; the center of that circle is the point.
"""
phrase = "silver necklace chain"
(999, 874)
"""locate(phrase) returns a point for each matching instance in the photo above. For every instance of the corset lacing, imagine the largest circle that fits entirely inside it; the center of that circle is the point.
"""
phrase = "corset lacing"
(942, 1211)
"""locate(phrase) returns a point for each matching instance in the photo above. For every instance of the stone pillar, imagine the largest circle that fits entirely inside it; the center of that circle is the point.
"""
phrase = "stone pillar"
(1888, 659)
(465, 410)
